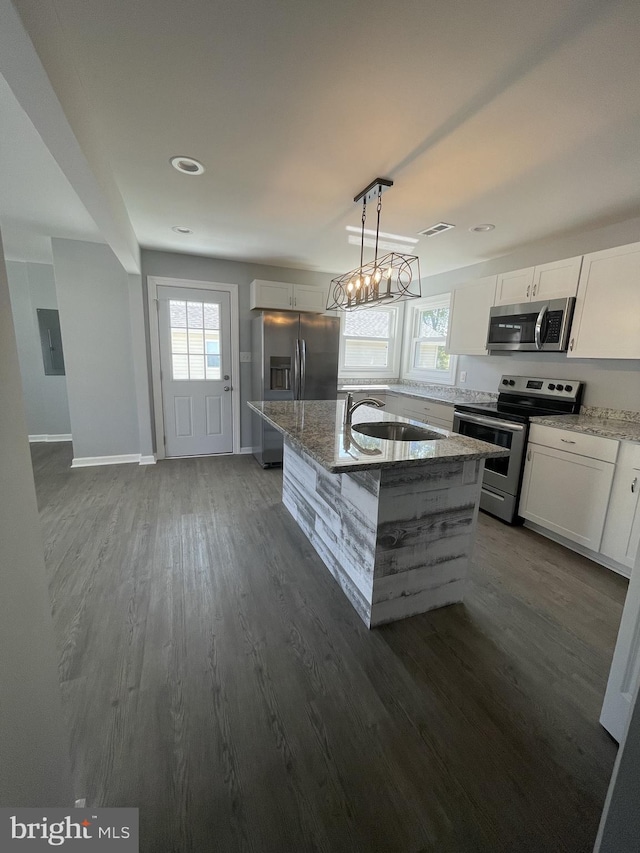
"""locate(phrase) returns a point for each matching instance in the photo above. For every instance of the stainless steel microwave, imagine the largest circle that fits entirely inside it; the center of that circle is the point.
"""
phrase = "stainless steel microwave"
(531, 326)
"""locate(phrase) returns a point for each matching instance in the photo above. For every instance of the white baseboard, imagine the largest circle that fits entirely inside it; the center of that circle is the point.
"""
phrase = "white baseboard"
(88, 461)
(63, 437)
(148, 460)
(246, 450)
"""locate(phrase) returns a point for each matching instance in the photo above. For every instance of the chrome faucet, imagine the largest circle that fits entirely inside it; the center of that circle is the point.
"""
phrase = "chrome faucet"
(350, 406)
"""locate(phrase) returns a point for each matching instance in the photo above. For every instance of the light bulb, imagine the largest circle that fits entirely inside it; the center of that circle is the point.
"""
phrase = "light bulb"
(367, 280)
(357, 284)
(377, 275)
(350, 287)
(389, 273)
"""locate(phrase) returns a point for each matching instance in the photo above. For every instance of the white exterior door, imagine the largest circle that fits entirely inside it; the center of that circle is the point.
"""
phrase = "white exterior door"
(195, 363)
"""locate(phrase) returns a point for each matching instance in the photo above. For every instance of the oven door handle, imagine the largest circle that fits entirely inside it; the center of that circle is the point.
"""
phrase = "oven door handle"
(538, 329)
(492, 422)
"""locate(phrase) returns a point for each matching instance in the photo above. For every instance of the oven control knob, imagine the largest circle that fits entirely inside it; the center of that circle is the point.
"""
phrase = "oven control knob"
(551, 386)
(512, 382)
(568, 387)
(505, 381)
(559, 387)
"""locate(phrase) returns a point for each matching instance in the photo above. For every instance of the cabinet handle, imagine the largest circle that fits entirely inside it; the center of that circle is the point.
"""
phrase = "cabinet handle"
(571, 345)
(567, 441)
(535, 287)
(528, 289)
(529, 456)
(633, 485)
(291, 300)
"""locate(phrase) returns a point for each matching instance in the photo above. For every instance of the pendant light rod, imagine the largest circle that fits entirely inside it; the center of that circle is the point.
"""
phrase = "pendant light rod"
(371, 192)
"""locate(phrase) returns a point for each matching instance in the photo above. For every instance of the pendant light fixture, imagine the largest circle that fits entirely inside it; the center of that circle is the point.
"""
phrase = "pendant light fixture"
(383, 280)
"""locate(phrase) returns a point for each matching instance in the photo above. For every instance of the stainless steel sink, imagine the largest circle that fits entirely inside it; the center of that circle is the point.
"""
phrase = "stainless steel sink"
(396, 432)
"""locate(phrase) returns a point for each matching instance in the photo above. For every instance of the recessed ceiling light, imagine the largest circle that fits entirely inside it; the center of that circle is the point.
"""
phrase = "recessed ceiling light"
(187, 165)
(182, 229)
(487, 226)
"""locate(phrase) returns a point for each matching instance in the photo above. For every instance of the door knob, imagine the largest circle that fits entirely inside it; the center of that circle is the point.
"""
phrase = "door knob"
(226, 388)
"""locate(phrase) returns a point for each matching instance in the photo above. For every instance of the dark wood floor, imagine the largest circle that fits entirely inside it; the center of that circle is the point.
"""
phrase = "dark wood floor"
(215, 676)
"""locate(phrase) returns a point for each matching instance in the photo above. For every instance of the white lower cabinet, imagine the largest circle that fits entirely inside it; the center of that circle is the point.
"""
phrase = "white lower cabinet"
(621, 537)
(564, 491)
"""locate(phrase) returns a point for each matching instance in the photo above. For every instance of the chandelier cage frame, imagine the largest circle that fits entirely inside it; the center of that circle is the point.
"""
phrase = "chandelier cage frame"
(382, 281)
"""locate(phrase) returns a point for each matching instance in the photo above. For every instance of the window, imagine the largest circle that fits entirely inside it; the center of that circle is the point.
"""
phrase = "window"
(195, 339)
(425, 339)
(367, 345)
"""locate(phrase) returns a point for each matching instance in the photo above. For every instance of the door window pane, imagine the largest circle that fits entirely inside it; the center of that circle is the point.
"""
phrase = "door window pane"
(196, 367)
(195, 340)
(180, 366)
(211, 315)
(194, 315)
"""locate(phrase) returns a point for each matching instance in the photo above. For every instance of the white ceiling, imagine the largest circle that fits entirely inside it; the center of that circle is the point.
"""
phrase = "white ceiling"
(523, 113)
(36, 200)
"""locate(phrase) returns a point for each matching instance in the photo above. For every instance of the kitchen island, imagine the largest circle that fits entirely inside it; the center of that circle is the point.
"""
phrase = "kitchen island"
(393, 521)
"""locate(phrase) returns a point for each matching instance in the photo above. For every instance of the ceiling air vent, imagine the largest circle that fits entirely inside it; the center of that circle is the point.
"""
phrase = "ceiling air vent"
(438, 228)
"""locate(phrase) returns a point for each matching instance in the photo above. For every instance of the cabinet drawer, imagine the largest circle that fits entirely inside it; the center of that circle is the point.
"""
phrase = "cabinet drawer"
(593, 446)
(421, 410)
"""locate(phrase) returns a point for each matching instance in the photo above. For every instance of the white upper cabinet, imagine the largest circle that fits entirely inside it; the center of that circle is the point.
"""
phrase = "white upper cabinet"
(281, 296)
(469, 317)
(557, 279)
(309, 298)
(534, 284)
(514, 287)
(606, 323)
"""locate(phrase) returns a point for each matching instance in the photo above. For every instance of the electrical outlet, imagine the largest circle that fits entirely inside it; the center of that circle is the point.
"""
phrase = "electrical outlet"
(245, 357)
(463, 376)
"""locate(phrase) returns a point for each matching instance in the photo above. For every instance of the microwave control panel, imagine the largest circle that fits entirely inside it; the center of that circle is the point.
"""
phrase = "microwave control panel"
(554, 327)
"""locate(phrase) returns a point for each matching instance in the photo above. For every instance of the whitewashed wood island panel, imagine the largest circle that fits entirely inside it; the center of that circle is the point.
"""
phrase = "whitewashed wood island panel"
(398, 541)
(393, 521)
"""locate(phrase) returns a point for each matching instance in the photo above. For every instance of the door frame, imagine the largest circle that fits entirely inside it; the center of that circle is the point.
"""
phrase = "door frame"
(153, 283)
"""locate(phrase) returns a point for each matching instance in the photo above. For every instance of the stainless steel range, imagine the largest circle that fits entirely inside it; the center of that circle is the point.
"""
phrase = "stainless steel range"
(506, 423)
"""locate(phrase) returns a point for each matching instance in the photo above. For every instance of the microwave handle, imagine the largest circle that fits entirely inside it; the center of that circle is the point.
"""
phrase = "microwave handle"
(538, 328)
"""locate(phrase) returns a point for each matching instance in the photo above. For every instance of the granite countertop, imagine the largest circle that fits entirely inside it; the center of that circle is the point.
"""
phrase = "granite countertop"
(605, 427)
(315, 426)
(448, 396)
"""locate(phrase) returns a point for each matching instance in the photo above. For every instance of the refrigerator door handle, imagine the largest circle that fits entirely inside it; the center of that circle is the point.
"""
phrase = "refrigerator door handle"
(296, 370)
(303, 367)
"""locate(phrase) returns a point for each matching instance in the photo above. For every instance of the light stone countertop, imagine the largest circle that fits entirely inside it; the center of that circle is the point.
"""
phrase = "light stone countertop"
(448, 396)
(589, 425)
(315, 426)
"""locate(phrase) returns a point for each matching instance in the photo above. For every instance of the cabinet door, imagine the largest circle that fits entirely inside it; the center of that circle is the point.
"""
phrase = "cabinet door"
(622, 526)
(469, 317)
(606, 323)
(309, 298)
(514, 287)
(566, 493)
(555, 280)
(271, 294)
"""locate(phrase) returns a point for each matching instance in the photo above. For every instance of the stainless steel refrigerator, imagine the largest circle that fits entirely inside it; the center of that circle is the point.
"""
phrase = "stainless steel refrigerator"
(294, 357)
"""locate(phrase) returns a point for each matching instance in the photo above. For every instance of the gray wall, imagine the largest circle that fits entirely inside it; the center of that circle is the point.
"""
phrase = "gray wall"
(610, 383)
(196, 268)
(32, 286)
(34, 750)
(95, 319)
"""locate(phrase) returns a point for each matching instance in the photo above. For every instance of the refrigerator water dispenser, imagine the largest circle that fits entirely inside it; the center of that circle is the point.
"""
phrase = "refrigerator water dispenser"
(280, 373)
